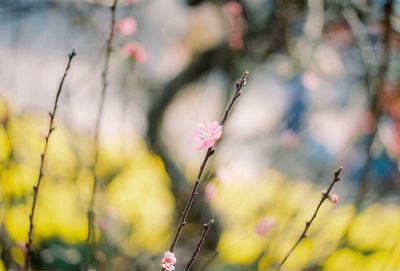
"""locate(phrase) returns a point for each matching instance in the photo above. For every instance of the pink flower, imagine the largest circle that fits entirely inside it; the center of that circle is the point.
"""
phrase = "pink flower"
(264, 225)
(168, 261)
(333, 198)
(223, 175)
(209, 192)
(134, 51)
(233, 11)
(235, 39)
(126, 26)
(206, 135)
(232, 8)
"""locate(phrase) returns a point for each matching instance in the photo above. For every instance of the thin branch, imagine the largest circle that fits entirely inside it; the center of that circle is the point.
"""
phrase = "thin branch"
(206, 228)
(303, 235)
(36, 188)
(183, 220)
(90, 214)
(210, 259)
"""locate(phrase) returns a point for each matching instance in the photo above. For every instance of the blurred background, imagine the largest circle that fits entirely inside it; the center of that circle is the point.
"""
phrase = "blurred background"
(323, 92)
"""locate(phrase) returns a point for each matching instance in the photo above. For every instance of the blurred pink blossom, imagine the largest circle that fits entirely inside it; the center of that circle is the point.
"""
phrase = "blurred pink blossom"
(135, 51)
(232, 8)
(126, 26)
(233, 12)
(223, 175)
(264, 225)
(168, 261)
(333, 198)
(22, 247)
(209, 192)
(235, 38)
(206, 135)
(289, 139)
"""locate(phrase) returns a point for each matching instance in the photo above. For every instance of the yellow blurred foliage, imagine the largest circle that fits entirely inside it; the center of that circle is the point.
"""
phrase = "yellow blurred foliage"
(345, 260)
(135, 207)
(375, 227)
(235, 247)
(4, 145)
(134, 189)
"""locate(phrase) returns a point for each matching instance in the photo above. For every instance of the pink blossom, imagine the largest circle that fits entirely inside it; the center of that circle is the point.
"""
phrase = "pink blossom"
(168, 261)
(232, 8)
(223, 175)
(233, 11)
(209, 192)
(235, 41)
(264, 225)
(333, 198)
(126, 26)
(22, 247)
(134, 51)
(206, 135)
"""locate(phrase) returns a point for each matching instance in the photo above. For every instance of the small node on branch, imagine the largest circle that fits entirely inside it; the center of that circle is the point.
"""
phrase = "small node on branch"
(72, 54)
(209, 224)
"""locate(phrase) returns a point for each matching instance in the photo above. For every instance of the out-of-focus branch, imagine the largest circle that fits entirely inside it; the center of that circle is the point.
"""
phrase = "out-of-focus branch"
(374, 83)
(90, 214)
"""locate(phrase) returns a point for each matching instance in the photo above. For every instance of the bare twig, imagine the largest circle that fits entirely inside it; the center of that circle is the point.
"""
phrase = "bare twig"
(325, 195)
(91, 215)
(206, 228)
(210, 259)
(183, 220)
(52, 114)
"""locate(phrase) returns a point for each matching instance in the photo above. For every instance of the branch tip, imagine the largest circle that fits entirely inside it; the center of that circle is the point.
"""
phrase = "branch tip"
(72, 54)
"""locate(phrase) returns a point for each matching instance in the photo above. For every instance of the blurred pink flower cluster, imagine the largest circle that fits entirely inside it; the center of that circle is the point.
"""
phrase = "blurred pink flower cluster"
(126, 27)
(135, 51)
(264, 225)
(233, 13)
(168, 261)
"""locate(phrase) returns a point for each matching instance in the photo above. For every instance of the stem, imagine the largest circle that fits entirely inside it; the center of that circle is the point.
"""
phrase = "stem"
(183, 220)
(213, 256)
(91, 214)
(52, 114)
(303, 235)
(206, 228)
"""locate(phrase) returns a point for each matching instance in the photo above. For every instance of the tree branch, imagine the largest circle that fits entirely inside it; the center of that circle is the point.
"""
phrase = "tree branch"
(206, 228)
(325, 195)
(36, 188)
(90, 214)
